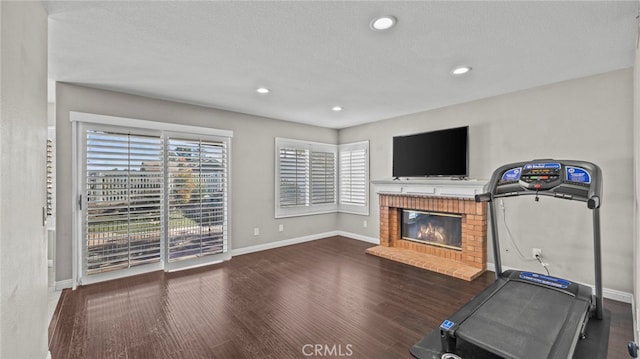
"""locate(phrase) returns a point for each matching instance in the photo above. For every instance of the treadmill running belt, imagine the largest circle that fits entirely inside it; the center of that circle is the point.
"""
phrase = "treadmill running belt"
(523, 321)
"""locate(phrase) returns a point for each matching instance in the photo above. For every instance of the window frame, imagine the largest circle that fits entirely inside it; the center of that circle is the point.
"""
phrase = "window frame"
(308, 208)
(83, 121)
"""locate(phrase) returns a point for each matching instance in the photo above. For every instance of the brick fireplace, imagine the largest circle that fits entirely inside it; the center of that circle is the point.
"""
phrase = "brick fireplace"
(467, 263)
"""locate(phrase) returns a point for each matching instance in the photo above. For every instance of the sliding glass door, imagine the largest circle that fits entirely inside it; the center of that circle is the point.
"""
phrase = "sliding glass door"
(151, 200)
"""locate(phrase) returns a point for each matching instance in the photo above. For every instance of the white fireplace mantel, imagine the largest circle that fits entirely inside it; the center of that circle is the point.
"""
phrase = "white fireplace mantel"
(430, 187)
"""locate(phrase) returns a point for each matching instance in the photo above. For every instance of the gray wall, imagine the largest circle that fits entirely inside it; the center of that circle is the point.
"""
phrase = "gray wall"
(252, 167)
(588, 118)
(23, 135)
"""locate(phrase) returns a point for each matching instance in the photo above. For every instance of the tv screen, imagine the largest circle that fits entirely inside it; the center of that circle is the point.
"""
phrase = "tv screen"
(436, 153)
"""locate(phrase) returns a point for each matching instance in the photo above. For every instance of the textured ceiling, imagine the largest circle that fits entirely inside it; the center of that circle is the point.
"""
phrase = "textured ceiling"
(315, 55)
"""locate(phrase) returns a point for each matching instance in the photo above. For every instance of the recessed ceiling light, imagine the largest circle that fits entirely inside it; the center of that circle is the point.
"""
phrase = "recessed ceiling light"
(262, 90)
(336, 108)
(461, 70)
(383, 22)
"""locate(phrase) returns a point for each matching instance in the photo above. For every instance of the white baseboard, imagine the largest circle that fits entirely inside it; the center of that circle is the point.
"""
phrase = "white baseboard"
(612, 294)
(63, 284)
(359, 237)
(283, 243)
(617, 295)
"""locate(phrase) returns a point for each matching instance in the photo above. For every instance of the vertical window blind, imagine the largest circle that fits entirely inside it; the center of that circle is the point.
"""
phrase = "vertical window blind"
(353, 176)
(294, 177)
(124, 179)
(323, 177)
(197, 180)
(50, 172)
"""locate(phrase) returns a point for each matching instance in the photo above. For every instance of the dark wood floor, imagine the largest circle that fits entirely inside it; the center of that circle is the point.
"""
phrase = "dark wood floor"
(273, 304)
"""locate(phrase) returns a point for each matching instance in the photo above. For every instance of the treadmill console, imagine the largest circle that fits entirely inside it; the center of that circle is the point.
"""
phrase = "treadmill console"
(540, 176)
(564, 179)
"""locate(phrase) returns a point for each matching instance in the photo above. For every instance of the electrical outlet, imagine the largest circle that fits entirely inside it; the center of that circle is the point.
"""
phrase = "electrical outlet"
(364, 223)
(536, 252)
(256, 231)
(281, 227)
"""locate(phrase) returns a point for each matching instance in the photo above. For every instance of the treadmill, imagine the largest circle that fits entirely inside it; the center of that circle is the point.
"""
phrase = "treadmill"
(525, 314)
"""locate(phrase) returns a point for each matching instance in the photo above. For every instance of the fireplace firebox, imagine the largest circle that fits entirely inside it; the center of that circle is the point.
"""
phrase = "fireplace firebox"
(434, 228)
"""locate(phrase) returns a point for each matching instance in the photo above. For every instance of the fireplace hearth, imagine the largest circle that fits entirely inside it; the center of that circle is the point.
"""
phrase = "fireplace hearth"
(438, 233)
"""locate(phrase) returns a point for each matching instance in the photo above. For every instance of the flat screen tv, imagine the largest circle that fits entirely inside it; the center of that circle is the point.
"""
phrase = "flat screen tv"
(435, 153)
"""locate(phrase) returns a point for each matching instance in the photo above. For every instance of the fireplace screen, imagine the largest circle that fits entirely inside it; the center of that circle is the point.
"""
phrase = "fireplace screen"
(440, 229)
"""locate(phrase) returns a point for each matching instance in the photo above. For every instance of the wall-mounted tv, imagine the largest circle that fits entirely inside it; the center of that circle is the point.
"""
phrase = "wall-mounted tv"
(435, 153)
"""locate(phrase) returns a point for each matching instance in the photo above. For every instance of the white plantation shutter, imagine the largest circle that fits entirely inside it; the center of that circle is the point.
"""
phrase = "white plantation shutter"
(124, 186)
(306, 174)
(51, 179)
(354, 177)
(197, 181)
(293, 173)
(323, 177)
(50, 173)
(149, 199)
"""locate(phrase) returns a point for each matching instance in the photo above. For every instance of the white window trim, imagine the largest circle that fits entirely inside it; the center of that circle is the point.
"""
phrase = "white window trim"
(350, 208)
(146, 125)
(311, 209)
(77, 118)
